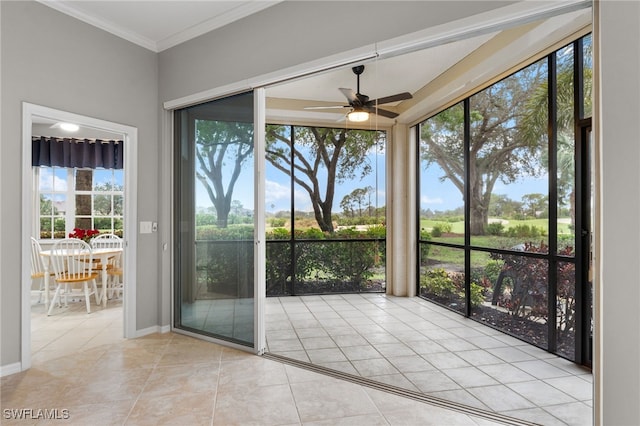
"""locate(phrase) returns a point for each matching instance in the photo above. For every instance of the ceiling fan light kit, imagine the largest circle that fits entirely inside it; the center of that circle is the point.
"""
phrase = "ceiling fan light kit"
(360, 105)
(358, 116)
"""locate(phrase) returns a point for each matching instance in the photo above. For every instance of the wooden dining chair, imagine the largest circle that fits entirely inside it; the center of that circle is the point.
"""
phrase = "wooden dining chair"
(114, 265)
(71, 259)
(38, 270)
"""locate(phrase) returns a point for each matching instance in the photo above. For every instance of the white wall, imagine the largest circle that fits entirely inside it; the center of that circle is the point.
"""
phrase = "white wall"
(295, 32)
(56, 61)
(618, 130)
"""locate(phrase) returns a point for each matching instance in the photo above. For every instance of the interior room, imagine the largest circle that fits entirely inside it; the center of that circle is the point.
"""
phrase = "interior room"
(501, 302)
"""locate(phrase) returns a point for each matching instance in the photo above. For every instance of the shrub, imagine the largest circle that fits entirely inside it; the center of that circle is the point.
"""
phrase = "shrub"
(495, 228)
(525, 231)
(477, 294)
(492, 269)
(440, 228)
(276, 222)
(278, 234)
(438, 282)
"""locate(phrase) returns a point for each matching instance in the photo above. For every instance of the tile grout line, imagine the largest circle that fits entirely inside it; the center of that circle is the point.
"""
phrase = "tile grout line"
(417, 396)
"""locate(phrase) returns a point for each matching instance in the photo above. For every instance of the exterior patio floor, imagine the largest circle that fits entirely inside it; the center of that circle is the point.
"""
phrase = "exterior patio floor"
(412, 344)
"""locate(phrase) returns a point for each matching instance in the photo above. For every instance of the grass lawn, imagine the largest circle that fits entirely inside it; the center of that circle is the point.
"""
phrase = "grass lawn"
(458, 227)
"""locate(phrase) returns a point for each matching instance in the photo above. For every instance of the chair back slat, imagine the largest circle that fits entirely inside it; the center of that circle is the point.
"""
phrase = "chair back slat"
(71, 259)
(37, 267)
(106, 241)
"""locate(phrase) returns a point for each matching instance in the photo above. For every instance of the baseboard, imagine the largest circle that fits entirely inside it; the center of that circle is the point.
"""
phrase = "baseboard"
(7, 370)
(152, 330)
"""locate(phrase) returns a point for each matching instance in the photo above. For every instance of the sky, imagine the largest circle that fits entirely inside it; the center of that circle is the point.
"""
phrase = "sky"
(278, 189)
(435, 196)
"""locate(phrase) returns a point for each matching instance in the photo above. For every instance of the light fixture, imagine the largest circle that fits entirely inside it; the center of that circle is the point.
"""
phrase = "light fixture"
(358, 115)
(69, 127)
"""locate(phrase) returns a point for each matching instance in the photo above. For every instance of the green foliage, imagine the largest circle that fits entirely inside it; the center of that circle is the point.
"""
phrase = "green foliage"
(227, 266)
(276, 222)
(212, 232)
(441, 228)
(477, 294)
(203, 219)
(450, 285)
(309, 234)
(492, 269)
(345, 256)
(438, 283)
(495, 228)
(525, 231)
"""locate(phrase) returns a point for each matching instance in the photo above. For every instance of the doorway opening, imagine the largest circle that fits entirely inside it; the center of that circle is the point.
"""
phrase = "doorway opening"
(58, 199)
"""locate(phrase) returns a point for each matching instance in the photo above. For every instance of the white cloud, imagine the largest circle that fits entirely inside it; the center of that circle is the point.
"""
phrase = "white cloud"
(49, 182)
(426, 200)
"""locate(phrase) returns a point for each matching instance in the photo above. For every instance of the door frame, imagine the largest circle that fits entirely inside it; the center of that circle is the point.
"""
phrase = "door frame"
(130, 138)
(259, 243)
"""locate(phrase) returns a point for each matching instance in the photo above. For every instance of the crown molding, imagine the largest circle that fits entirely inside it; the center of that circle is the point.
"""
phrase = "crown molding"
(242, 10)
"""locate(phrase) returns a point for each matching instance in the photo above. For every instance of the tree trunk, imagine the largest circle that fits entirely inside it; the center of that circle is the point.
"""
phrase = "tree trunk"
(478, 221)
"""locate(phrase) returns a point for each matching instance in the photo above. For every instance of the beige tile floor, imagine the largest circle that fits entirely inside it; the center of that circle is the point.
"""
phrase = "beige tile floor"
(421, 347)
(84, 370)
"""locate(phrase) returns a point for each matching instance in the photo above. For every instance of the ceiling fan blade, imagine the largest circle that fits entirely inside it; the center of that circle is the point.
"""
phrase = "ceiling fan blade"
(351, 96)
(384, 112)
(327, 107)
(393, 98)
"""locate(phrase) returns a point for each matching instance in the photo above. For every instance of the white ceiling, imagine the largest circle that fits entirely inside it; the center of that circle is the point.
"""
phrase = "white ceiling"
(433, 76)
(158, 25)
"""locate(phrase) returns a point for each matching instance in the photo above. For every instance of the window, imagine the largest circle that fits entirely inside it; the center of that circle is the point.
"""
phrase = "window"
(498, 203)
(67, 198)
(325, 210)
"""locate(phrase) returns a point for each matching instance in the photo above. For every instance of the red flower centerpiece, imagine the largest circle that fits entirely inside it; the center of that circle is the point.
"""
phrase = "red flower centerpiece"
(84, 234)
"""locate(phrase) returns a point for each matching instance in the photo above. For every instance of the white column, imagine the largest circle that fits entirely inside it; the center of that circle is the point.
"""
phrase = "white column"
(401, 213)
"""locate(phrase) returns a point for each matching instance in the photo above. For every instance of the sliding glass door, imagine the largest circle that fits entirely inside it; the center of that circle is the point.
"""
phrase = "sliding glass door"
(214, 219)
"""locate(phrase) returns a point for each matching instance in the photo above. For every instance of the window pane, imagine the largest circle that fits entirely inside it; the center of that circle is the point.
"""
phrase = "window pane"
(46, 204)
(214, 219)
(588, 75)
(339, 216)
(278, 182)
(511, 294)
(118, 204)
(566, 315)
(102, 205)
(508, 161)
(45, 225)
(442, 275)
(84, 179)
(102, 180)
(442, 176)
(565, 151)
(279, 261)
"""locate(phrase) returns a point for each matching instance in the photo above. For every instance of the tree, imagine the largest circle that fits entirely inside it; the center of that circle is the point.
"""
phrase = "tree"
(47, 207)
(102, 203)
(496, 150)
(322, 158)
(535, 203)
(533, 126)
(355, 200)
(221, 149)
(502, 206)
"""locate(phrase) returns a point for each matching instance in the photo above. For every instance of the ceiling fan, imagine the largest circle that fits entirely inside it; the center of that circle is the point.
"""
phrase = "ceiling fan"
(360, 104)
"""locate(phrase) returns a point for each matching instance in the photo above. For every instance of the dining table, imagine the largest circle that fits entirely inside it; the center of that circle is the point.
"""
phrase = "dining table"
(101, 255)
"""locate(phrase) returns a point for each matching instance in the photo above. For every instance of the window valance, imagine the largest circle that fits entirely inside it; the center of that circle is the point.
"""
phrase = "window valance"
(77, 153)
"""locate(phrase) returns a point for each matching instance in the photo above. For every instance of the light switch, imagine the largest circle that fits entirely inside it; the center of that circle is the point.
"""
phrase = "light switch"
(145, 227)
